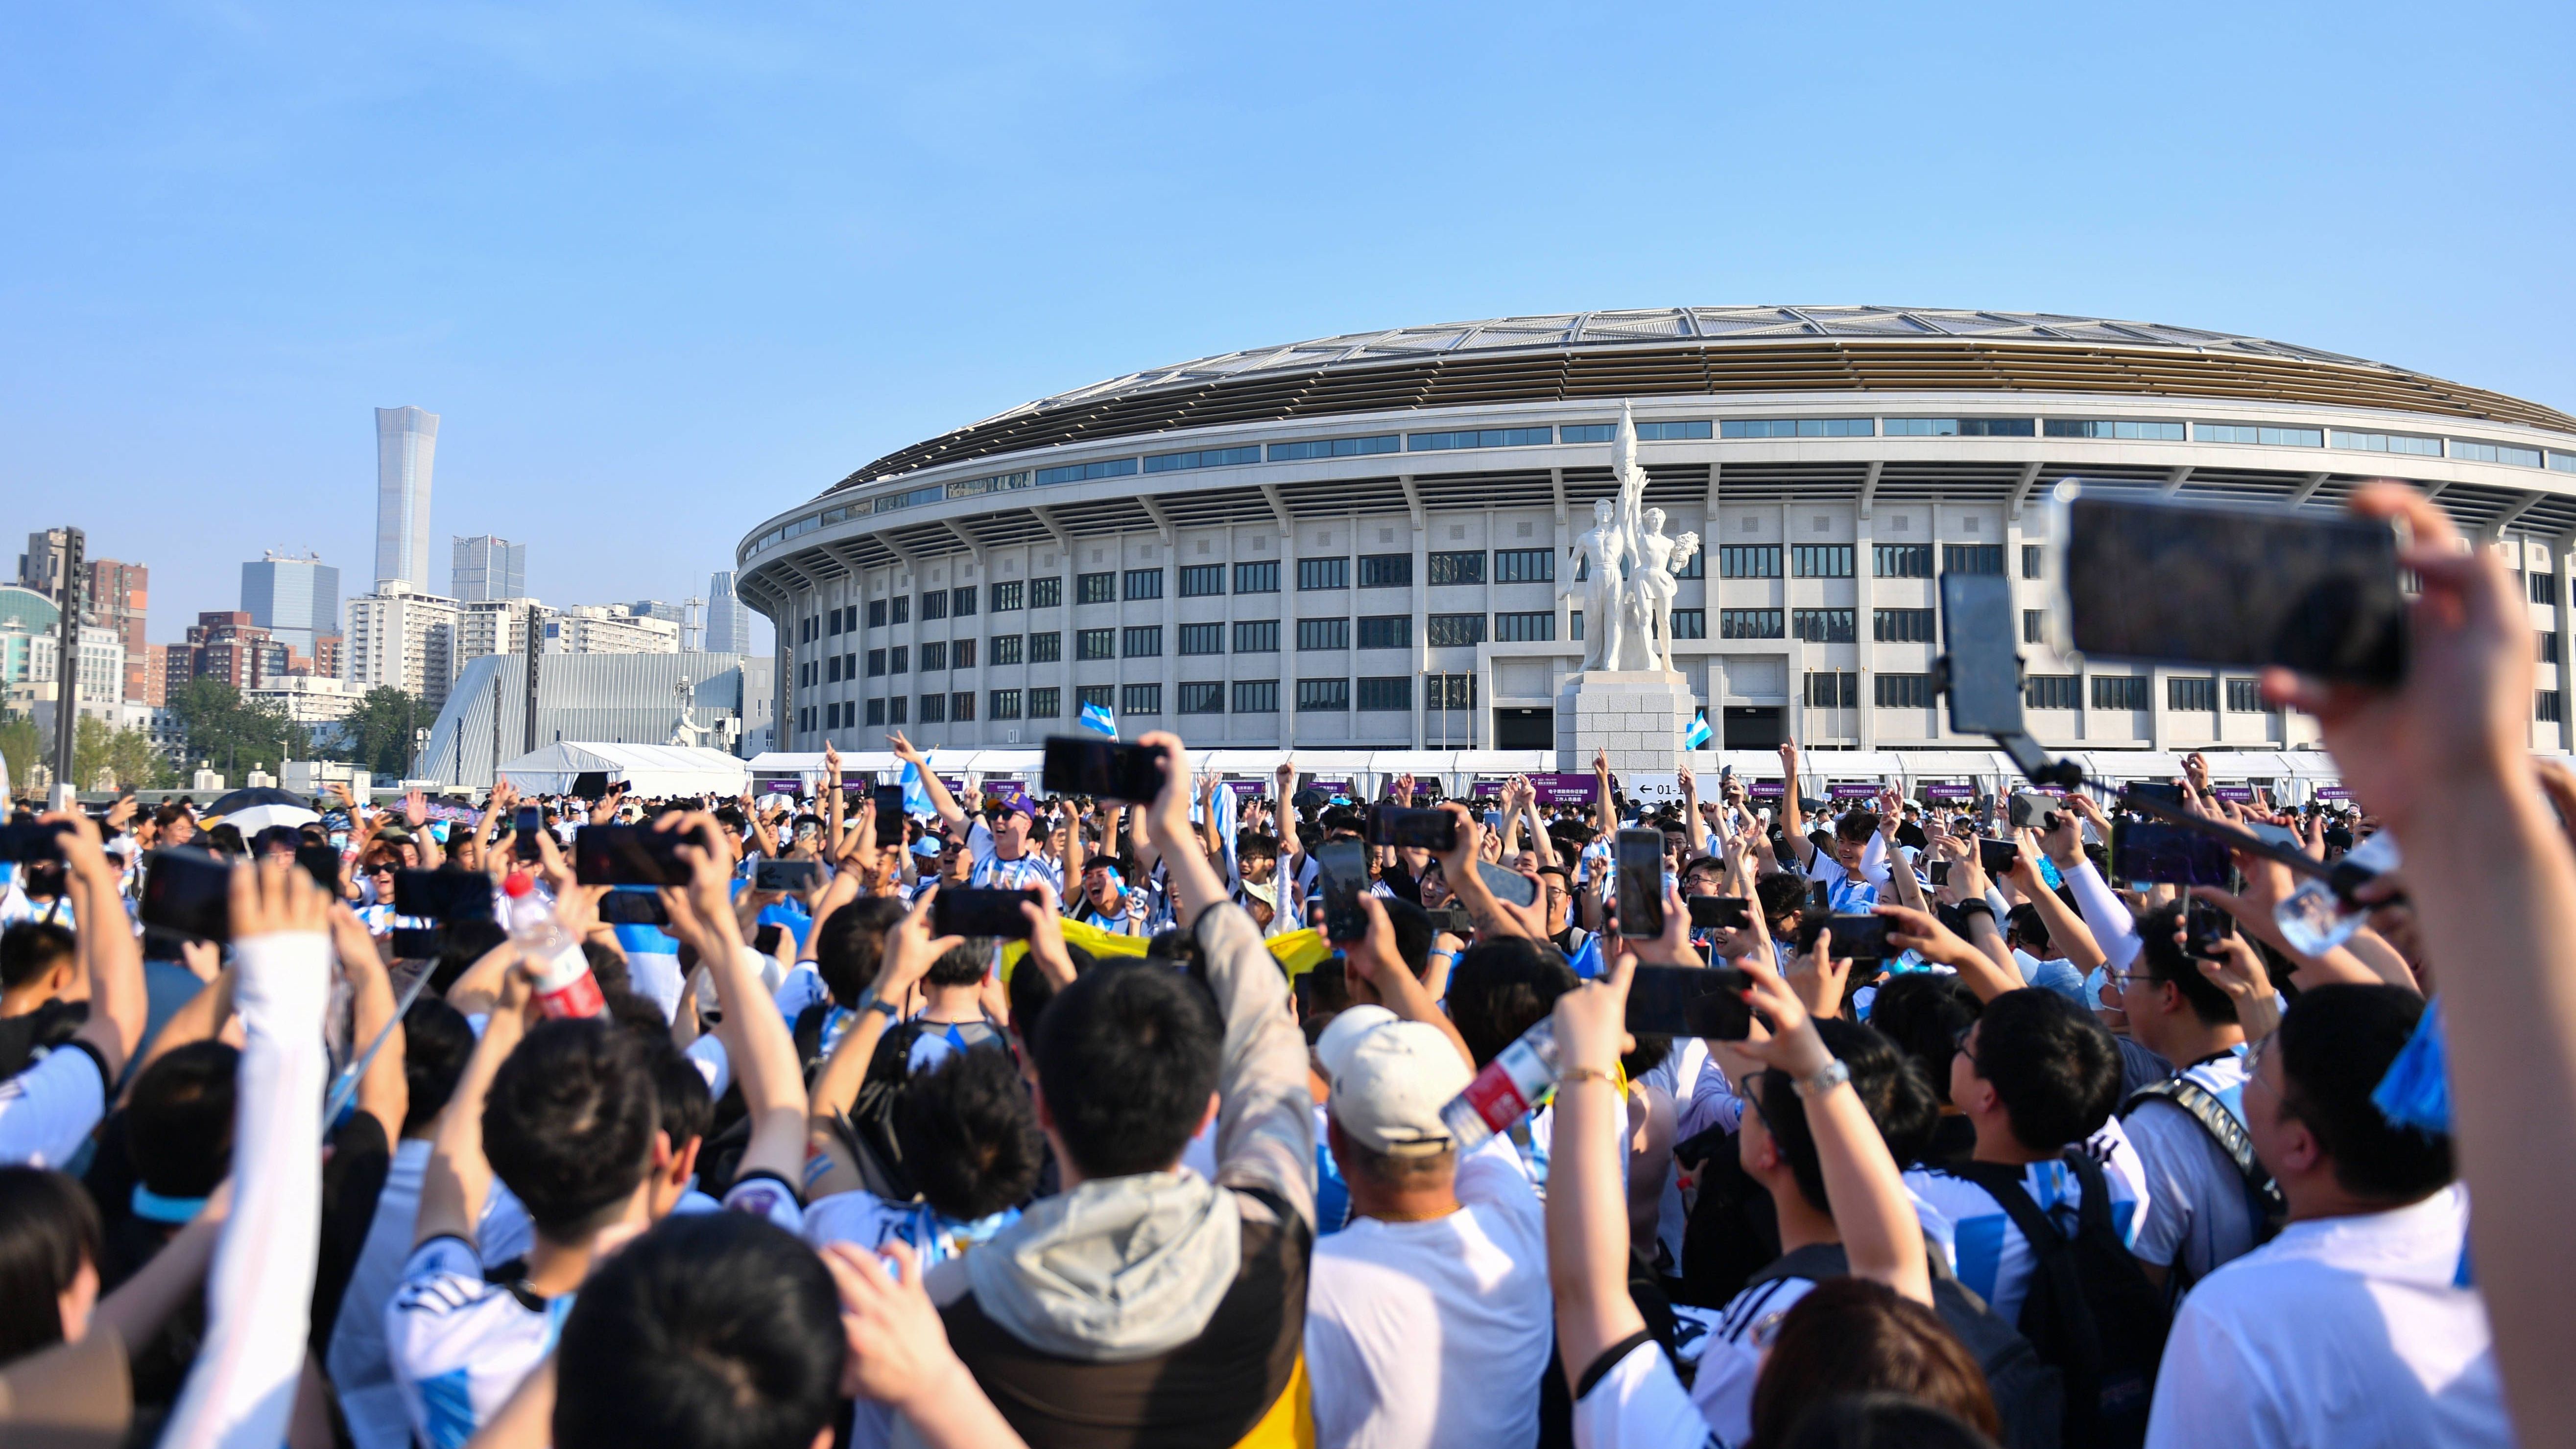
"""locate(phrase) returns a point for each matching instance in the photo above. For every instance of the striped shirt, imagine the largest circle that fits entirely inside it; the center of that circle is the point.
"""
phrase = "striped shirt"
(994, 873)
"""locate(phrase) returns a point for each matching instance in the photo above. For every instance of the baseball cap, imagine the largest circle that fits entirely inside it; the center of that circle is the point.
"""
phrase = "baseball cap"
(927, 845)
(1390, 1079)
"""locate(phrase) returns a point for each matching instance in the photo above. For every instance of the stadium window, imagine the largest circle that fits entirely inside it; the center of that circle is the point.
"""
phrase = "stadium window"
(2562, 462)
(832, 670)
(1256, 696)
(1323, 694)
(876, 613)
(1823, 626)
(1141, 641)
(1821, 560)
(2248, 433)
(961, 707)
(2191, 693)
(1006, 597)
(1198, 581)
(1479, 438)
(2546, 707)
(1046, 648)
(1798, 428)
(1256, 636)
(899, 709)
(1748, 561)
(1095, 588)
(1203, 458)
(1694, 567)
(2122, 429)
(1972, 558)
(1386, 631)
(876, 711)
(1749, 624)
(1103, 695)
(2548, 647)
(962, 653)
(1451, 630)
(1590, 432)
(1256, 578)
(1386, 695)
(1323, 634)
(934, 605)
(1046, 593)
(1688, 624)
(1006, 649)
(1447, 692)
(1902, 691)
(2468, 451)
(2034, 626)
(1960, 427)
(1144, 583)
(1457, 568)
(832, 623)
(2034, 560)
(2383, 443)
(2544, 588)
(2120, 691)
(1901, 626)
(961, 601)
(899, 660)
(2052, 691)
(1095, 644)
(1046, 703)
(1334, 448)
(1833, 689)
(1202, 639)
(1085, 472)
(902, 605)
(1205, 698)
(1323, 573)
(1004, 704)
(1524, 565)
(1386, 570)
(1535, 627)
(934, 655)
(876, 663)
(1138, 699)
(934, 709)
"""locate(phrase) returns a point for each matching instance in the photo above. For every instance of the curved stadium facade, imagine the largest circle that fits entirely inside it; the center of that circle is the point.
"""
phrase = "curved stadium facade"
(1361, 542)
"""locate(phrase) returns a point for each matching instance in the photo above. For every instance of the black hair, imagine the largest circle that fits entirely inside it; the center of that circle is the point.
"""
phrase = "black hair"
(2336, 1043)
(1499, 989)
(607, 967)
(466, 943)
(1030, 988)
(29, 949)
(568, 1125)
(1127, 1058)
(2024, 926)
(2166, 962)
(969, 1134)
(1923, 1012)
(850, 944)
(1857, 825)
(437, 1041)
(2056, 1069)
(716, 1330)
(686, 1111)
(961, 964)
(1891, 1089)
(1254, 842)
(1178, 950)
(1781, 893)
(179, 1122)
(1413, 933)
(48, 1228)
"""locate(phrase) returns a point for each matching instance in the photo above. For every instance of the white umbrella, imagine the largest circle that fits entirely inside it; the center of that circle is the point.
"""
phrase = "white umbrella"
(256, 818)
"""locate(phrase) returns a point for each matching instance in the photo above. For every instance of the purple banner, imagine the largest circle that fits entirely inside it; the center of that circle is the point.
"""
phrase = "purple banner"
(1763, 789)
(1949, 792)
(1332, 787)
(1485, 790)
(2333, 792)
(1565, 788)
(1849, 791)
(1249, 789)
(788, 785)
(1005, 791)
(2241, 794)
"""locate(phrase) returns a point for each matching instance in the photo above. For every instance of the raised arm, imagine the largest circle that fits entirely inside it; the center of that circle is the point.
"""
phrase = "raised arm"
(755, 1037)
(459, 1178)
(940, 800)
(110, 956)
(1793, 814)
(383, 1091)
(1195, 883)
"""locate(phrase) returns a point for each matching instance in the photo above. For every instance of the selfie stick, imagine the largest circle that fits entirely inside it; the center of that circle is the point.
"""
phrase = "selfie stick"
(2344, 881)
(347, 1085)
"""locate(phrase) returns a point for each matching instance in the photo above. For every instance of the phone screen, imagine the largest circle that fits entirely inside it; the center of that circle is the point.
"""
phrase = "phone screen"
(1719, 912)
(37, 840)
(1345, 865)
(1997, 857)
(889, 800)
(966, 911)
(1940, 873)
(2150, 850)
(1102, 769)
(1641, 883)
(1434, 830)
(1508, 886)
(1977, 637)
(785, 875)
(1659, 998)
(189, 891)
(2225, 584)
(523, 832)
(1859, 938)
(443, 895)
(630, 908)
(2206, 929)
(628, 855)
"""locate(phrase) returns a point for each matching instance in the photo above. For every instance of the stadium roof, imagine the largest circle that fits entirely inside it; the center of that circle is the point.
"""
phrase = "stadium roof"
(1705, 350)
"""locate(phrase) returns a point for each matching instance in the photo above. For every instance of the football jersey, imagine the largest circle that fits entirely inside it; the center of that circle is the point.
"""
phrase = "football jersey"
(1988, 1252)
(994, 873)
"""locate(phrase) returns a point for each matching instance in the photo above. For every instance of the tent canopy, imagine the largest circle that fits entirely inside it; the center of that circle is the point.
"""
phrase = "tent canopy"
(647, 770)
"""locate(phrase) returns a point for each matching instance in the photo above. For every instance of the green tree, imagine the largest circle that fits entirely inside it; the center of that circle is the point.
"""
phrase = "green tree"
(21, 746)
(233, 733)
(378, 734)
(129, 753)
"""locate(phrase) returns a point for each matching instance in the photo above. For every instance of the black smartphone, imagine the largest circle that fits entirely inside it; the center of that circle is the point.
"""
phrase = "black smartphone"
(36, 840)
(1997, 857)
(1507, 885)
(418, 943)
(786, 875)
(1103, 769)
(2030, 810)
(2205, 930)
(2151, 850)
(889, 800)
(1345, 865)
(1433, 830)
(1981, 663)
(1940, 874)
(2162, 792)
(189, 891)
(1859, 938)
(1720, 1013)
(1820, 899)
(1641, 883)
(321, 860)
(628, 855)
(1719, 912)
(2210, 583)
(443, 895)
(1659, 998)
(523, 833)
(590, 784)
(966, 911)
(630, 908)
(764, 938)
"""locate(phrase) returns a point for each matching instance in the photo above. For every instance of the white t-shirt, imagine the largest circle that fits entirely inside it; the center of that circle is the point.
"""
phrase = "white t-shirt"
(47, 1111)
(2198, 1210)
(1434, 1333)
(2352, 1332)
(361, 1373)
(1988, 1252)
(1640, 1404)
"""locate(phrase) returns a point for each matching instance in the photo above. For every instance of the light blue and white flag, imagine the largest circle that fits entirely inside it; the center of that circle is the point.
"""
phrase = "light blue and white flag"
(1227, 824)
(916, 796)
(1699, 733)
(1097, 719)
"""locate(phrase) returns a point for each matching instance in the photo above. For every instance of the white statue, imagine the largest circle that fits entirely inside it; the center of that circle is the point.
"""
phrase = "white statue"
(1603, 551)
(686, 730)
(1629, 568)
(1651, 588)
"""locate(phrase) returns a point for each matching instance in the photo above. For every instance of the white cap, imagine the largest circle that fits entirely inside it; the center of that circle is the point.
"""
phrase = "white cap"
(1390, 1079)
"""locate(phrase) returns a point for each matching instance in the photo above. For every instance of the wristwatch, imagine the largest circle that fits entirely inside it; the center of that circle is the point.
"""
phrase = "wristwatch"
(872, 1002)
(1833, 1074)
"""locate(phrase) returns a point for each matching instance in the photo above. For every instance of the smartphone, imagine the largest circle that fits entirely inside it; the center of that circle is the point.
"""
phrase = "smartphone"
(443, 895)
(966, 911)
(1102, 769)
(1820, 898)
(2033, 811)
(189, 891)
(37, 840)
(2210, 583)
(630, 908)
(1981, 668)
(1345, 865)
(2277, 834)
(1507, 885)
(628, 855)
(786, 875)
(418, 943)
(1940, 874)
(1859, 938)
(1733, 913)
(1690, 1001)
(889, 803)
(1997, 857)
(523, 833)
(2205, 930)
(2151, 850)
(1641, 883)
(322, 862)
(1432, 830)
(2163, 792)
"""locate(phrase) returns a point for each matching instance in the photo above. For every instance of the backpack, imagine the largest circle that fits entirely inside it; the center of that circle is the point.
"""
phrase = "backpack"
(2090, 1310)
(2029, 1393)
(2263, 1200)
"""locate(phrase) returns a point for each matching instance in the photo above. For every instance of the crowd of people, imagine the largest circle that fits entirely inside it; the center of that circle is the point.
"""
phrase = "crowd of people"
(758, 1158)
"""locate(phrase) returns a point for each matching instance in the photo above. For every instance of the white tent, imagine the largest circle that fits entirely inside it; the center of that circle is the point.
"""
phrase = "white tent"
(649, 771)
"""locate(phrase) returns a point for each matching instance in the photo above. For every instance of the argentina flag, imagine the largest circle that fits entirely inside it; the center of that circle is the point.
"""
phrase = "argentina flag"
(1698, 734)
(916, 796)
(1097, 719)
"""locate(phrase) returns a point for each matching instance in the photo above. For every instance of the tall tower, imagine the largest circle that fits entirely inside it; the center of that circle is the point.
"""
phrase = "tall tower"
(406, 441)
(484, 568)
(728, 622)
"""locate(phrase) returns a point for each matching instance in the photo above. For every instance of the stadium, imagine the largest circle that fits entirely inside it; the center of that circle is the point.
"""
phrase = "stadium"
(1358, 546)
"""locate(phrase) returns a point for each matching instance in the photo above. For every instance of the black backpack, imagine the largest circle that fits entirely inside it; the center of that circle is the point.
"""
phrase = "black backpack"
(2091, 1310)
(2029, 1393)
(2264, 1204)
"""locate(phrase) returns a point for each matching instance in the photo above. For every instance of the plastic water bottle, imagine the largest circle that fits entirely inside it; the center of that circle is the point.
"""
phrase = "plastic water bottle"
(2316, 917)
(565, 987)
(1505, 1090)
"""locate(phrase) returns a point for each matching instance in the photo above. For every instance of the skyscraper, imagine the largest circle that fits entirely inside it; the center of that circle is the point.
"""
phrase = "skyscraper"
(406, 442)
(484, 567)
(297, 600)
(119, 595)
(728, 622)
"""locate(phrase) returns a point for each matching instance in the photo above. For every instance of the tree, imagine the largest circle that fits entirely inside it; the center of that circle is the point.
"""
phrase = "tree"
(129, 753)
(22, 747)
(234, 733)
(378, 734)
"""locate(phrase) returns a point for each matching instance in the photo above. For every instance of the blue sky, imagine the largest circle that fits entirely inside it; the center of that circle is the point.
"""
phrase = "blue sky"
(666, 269)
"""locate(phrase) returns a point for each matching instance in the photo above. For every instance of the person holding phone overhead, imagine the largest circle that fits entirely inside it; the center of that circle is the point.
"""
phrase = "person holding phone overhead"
(1003, 859)
(1856, 872)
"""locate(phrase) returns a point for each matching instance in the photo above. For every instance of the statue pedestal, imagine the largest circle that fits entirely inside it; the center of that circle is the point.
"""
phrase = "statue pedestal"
(1638, 716)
